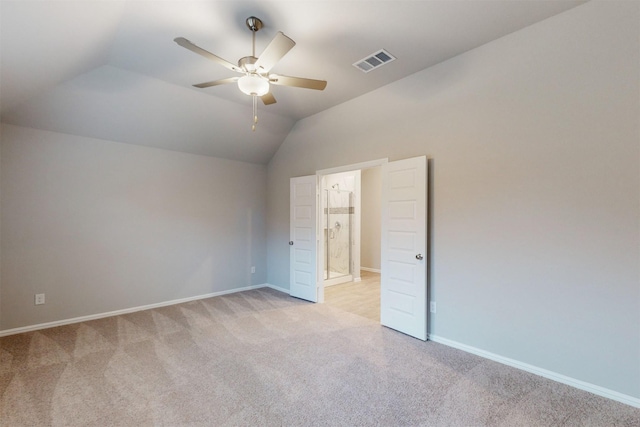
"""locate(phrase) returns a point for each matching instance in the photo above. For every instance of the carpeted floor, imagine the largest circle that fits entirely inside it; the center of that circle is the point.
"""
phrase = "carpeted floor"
(261, 358)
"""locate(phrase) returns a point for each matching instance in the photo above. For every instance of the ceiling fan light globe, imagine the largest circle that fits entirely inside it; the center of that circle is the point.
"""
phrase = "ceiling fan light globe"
(253, 85)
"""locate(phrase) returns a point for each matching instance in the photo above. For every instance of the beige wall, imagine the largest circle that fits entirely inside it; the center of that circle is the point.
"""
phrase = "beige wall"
(535, 179)
(371, 214)
(100, 226)
(1, 132)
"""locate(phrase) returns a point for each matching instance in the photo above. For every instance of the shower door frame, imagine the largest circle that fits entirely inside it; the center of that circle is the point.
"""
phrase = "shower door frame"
(349, 276)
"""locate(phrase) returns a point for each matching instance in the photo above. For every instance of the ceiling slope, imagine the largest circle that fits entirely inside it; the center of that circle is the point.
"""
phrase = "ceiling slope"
(110, 69)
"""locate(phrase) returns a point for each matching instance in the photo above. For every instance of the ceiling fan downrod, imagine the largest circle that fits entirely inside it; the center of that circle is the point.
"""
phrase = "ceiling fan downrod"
(254, 25)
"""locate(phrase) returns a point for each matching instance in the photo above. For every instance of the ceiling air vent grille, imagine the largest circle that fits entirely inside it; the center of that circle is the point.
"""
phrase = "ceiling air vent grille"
(373, 61)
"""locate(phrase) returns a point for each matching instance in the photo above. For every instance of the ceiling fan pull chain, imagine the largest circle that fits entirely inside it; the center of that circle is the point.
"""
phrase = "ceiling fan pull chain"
(255, 112)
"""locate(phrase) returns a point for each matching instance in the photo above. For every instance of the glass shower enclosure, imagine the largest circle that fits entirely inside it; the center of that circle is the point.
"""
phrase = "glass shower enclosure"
(338, 216)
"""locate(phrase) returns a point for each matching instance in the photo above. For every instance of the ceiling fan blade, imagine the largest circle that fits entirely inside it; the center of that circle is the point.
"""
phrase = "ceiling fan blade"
(278, 48)
(277, 79)
(200, 51)
(268, 99)
(217, 82)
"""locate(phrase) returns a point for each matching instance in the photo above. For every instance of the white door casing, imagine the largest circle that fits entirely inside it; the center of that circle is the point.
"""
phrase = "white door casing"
(302, 235)
(403, 293)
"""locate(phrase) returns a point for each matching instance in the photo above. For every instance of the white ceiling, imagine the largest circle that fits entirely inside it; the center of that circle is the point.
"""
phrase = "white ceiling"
(110, 69)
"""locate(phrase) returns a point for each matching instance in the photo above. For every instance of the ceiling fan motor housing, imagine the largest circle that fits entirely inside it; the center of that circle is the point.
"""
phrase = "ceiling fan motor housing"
(254, 23)
(247, 63)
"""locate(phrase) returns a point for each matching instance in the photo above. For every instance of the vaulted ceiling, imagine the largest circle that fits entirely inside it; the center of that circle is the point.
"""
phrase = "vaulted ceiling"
(110, 69)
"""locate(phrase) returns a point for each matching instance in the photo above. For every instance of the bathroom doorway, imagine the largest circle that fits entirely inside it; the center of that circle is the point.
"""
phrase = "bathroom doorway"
(340, 224)
(351, 203)
(403, 259)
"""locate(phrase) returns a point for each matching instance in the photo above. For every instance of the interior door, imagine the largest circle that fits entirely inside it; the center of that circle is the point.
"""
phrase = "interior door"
(403, 299)
(303, 247)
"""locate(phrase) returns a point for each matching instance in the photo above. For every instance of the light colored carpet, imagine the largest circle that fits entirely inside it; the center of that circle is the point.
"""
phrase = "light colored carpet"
(263, 358)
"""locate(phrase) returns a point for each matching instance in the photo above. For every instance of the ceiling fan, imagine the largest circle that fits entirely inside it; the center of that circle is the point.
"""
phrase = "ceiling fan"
(256, 79)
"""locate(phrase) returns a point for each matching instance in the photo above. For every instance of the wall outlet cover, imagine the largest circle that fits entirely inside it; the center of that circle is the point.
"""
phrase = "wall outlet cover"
(39, 299)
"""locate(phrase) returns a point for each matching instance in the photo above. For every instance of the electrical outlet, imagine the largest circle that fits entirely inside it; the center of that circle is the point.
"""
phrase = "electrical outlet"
(39, 299)
(432, 306)
(253, 270)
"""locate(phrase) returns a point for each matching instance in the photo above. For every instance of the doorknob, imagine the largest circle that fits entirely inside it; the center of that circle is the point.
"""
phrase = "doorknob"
(291, 242)
(419, 257)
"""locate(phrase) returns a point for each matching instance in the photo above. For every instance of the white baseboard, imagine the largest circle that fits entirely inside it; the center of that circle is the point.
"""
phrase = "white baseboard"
(39, 326)
(582, 385)
(372, 270)
(277, 288)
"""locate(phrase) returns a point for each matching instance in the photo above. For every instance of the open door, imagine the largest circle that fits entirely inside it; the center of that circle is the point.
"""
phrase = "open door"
(403, 287)
(303, 248)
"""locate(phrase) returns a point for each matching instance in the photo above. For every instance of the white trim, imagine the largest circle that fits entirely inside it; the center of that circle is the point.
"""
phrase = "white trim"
(276, 288)
(53, 324)
(352, 167)
(347, 278)
(372, 270)
(582, 385)
(356, 238)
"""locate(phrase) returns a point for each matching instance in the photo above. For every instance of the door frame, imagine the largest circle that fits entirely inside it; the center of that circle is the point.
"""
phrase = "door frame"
(320, 174)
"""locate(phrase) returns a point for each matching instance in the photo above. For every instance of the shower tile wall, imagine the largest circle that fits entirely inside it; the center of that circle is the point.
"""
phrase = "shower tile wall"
(338, 227)
(338, 232)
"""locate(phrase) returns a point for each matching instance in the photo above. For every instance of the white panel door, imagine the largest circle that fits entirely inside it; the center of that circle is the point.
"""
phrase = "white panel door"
(302, 249)
(403, 298)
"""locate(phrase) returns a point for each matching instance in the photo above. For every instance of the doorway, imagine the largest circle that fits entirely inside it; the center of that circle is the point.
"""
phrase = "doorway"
(403, 258)
(359, 291)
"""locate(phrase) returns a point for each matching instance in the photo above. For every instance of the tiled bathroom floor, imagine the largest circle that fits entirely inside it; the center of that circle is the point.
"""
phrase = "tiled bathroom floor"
(361, 298)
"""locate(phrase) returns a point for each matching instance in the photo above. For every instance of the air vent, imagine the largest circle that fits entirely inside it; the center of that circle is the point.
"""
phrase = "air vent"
(373, 61)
